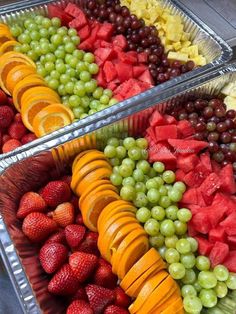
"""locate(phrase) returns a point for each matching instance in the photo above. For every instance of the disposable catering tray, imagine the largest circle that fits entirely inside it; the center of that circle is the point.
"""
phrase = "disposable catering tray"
(30, 169)
(216, 51)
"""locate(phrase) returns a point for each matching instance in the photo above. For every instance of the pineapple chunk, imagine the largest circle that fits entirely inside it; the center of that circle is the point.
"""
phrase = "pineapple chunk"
(137, 5)
(230, 102)
(183, 57)
(227, 89)
(186, 44)
(185, 36)
(199, 60)
(193, 51)
(233, 91)
(177, 46)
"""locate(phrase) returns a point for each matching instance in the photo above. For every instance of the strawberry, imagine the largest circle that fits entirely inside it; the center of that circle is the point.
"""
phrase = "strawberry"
(6, 116)
(64, 282)
(79, 307)
(58, 237)
(55, 193)
(37, 226)
(102, 262)
(79, 219)
(80, 294)
(83, 265)
(74, 235)
(113, 309)
(28, 138)
(89, 245)
(10, 145)
(17, 130)
(18, 117)
(104, 277)
(67, 179)
(29, 203)
(52, 256)
(121, 298)
(99, 297)
(63, 214)
(3, 98)
(6, 138)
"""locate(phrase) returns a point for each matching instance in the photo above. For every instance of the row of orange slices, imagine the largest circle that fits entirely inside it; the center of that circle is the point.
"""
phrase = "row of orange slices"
(122, 240)
(40, 106)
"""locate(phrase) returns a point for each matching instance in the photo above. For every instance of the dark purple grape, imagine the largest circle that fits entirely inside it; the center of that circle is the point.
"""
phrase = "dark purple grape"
(231, 114)
(200, 104)
(135, 24)
(183, 116)
(154, 59)
(161, 77)
(190, 65)
(224, 163)
(221, 127)
(220, 112)
(176, 64)
(174, 72)
(153, 73)
(193, 122)
(211, 126)
(230, 156)
(215, 103)
(91, 5)
(193, 115)
(184, 68)
(144, 43)
(213, 147)
(200, 127)
(234, 166)
(213, 136)
(117, 8)
(229, 123)
(232, 147)
(218, 156)
(112, 17)
(125, 11)
(120, 30)
(233, 138)
(208, 112)
(199, 136)
(224, 148)
(201, 119)
(160, 69)
(165, 61)
(225, 137)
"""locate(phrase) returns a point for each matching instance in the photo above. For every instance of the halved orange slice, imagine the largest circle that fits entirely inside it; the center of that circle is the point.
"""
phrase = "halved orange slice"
(39, 91)
(17, 74)
(8, 46)
(81, 154)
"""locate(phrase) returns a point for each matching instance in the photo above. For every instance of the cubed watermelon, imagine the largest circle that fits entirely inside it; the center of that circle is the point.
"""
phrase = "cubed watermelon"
(201, 199)
(143, 57)
(229, 224)
(185, 128)
(219, 253)
(179, 174)
(190, 197)
(187, 146)
(217, 234)
(124, 71)
(215, 166)
(163, 154)
(77, 13)
(138, 70)
(163, 132)
(55, 11)
(83, 32)
(103, 53)
(194, 208)
(193, 179)
(203, 171)
(170, 119)
(208, 199)
(78, 24)
(129, 57)
(228, 184)
(146, 77)
(230, 261)
(87, 45)
(120, 41)
(226, 202)
(204, 246)
(112, 86)
(134, 90)
(206, 161)
(191, 230)
(105, 31)
(109, 71)
(150, 131)
(231, 240)
(157, 119)
(215, 214)
(101, 79)
(211, 184)
(201, 222)
(187, 162)
(104, 44)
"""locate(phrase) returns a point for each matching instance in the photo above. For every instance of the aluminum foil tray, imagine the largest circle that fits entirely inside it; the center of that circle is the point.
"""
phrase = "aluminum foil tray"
(216, 51)
(30, 169)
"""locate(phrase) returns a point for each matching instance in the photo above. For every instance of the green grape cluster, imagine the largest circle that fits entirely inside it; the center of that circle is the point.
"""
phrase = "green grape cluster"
(155, 192)
(66, 69)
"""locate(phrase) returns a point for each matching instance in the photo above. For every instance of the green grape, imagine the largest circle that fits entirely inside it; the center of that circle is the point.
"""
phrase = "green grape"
(71, 73)
(142, 143)
(170, 242)
(160, 183)
(152, 174)
(129, 162)
(121, 152)
(144, 166)
(127, 193)
(231, 281)
(84, 115)
(49, 66)
(153, 196)
(41, 71)
(183, 246)
(163, 190)
(151, 183)
(17, 48)
(80, 89)
(116, 179)
(52, 30)
(69, 46)
(85, 101)
(188, 290)
(203, 263)
(157, 241)
(129, 142)
(74, 101)
(221, 290)
(69, 87)
(35, 35)
(159, 167)
(16, 30)
(180, 227)
(94, 103)
(176, 270)
(90, 86)
(79, 54)
(72, 32)
(169, 187)
(85, 76)
(38, 19)
(164, 201)
(44, 33)
(144, 154)
(56, 22)
(193, 244)
(46, 22)
(53, 83)
(56, 39)
(25, 48)
(114, 101)
(134, 153)
(162, 251)
(61, 90)
(97, 94)
(192, 304)
(110, 151)
(138, 175)
(167, 228)
(107, 92)
(104, 100)
(93, 68)
(171, 212)
(143, 214)
(61, 68)
(140, 200)
(24, 38)
(188, 260)
(184, 215)
(75, 40)
(197, 286)
(168, 176)
(207, 279)
(78, 111)
(151, 226)
(189, 277)
(64, 78)
(180, 186)
(221, 273)
(125, 171)
(208, 297)
(128, 181)
(140, 187)
(33, 27)
(172, 256)
(114, 161)
(113, 141)
(158, 213)
(175, 195)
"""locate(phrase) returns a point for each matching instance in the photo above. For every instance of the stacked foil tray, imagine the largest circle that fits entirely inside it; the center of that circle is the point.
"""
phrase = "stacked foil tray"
(29, 166)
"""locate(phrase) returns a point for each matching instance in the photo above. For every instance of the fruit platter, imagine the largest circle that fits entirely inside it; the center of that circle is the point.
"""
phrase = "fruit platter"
(62, 62)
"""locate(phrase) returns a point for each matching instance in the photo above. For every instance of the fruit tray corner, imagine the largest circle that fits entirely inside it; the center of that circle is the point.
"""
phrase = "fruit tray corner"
(216, 51)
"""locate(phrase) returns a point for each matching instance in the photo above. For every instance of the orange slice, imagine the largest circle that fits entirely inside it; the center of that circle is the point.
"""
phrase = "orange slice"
(175, 307)
(173, 296)
(13, 54)
(95, 204)
(8, 46)
(98, 174)
(37, 91)
(77, 158)
(91, 187)
(88, 158)
(5, 36)
(51, 118)
(4, 27)
(16, 74)
(124, 245)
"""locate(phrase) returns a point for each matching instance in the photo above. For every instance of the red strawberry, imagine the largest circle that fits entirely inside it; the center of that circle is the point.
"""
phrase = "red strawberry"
(6, 116)
(3, 98)
(83, 265)
(29, 203)
(10, 145)
(17, 130)
(52, 256)
(6, 138)
(64, 214)
(58, 237)
(79, 307)
(17, 117)
(37, 226)
(28, 138)
(64, 282)
(89, 245)
(99, 297)
(74, 235)
(67, 179)
(122, 299)
(80, 294)
(104, 277)
(102, 262)
(55, 193)
(79, 219)
(113, 309)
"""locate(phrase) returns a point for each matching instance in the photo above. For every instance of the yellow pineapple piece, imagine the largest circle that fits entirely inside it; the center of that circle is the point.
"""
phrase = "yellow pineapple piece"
(185, 36)
(182, 57)
(186, 43)
(177, 46)
(199, 60)
(227, 89)
(230, 102)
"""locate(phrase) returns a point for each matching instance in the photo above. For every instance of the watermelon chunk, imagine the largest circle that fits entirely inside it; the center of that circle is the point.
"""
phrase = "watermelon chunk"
(83, 32)
(230, 261)
(104, 44)
(193, 179)
(187, 163)
(228, 184)
(109, 71)
(101, 78)
(190, 197)
(128, 57)
(215, 166)
(157, 119)
(142, 57)
(217, 235)
(134, 90)
(77, 13)
(103, 53)
(211, 184)
(151, 133)
(191, 230)
(87, 45)
(164, 132)
(55, 11)
(226, 202)
(138, 70)
(170, 119)
(124, 71)
(206, 161)
(119, 41)
(194, 208)
(146, 77)
(219, 253)
(201, 222)
(200, 199)
(179, 174)
(204, 246)
(163, 154)
(105, 31)
(187, 146)
(231, 240)
(229, 224)
(185, 128)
